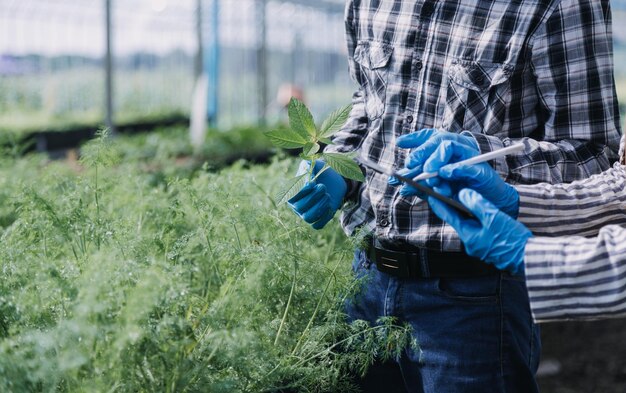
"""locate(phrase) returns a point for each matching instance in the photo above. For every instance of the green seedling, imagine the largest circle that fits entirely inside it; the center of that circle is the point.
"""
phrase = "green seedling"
(304, 134)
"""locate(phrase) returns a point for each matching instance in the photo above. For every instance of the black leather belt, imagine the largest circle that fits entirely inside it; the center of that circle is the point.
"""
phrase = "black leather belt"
(424, 263)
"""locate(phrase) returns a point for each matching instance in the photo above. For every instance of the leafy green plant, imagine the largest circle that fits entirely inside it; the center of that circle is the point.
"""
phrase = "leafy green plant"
(304, 134)
(111, 282)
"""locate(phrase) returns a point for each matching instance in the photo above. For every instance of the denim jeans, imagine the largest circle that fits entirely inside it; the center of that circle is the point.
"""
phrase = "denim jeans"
(473, 334)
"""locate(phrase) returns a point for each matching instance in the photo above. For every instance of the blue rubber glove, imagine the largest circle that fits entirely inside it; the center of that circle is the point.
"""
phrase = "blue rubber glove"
(495, 237)
(318, 201)
(448, 151)
(479, 177)
(424, 143)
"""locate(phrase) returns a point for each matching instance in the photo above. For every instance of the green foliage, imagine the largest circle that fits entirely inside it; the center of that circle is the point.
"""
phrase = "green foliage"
(287, 139)
(99, 151)
(304, 134)
(343, 164)
(221, 148)
(335, 121)
(300, 119)
(114, 282)
(61, 99)
(291, 188)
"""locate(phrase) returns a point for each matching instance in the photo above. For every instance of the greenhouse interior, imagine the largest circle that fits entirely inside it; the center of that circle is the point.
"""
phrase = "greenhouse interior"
(156, 234)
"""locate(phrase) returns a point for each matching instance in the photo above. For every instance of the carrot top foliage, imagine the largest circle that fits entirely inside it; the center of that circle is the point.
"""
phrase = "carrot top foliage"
(124, 273)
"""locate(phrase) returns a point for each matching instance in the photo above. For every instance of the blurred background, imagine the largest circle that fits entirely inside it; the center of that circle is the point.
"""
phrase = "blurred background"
(68, 67)
(54, 68)
(56, 73)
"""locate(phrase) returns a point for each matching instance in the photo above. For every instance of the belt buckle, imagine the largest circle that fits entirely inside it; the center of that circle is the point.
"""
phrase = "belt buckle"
(392, 263)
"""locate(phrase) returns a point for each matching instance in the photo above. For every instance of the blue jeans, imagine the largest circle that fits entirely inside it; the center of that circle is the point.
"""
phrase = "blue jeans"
(473, 334)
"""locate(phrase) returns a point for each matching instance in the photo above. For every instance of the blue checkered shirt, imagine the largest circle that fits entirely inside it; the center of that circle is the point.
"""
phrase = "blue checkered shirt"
(531, 71)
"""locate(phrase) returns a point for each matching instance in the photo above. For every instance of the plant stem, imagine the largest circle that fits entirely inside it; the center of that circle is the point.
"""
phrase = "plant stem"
(291, 292)
(267, 195)
(237, 235)
(45, 245)
(317, 307)
(327, 350)
(324, 169)
(338, 343)
(293, 283)
(97, 202)
(312, 168)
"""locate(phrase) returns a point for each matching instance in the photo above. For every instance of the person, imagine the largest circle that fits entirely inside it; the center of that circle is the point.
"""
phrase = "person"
(568, 276)
(489, 73)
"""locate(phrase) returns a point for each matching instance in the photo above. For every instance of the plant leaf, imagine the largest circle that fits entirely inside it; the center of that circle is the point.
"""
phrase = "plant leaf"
(344, 165)
(326, 141)
(287, 139)
(301, 120)
(310, 149)
(291, 188)
(335, 121)
(311, 157)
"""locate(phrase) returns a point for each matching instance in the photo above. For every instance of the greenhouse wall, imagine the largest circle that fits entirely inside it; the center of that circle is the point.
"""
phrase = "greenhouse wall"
(52, 60)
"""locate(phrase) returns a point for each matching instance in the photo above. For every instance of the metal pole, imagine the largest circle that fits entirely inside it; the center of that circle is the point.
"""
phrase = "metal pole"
(296, 55)
(108, 65)
(198, 66)
(212, 64)
(262, 61)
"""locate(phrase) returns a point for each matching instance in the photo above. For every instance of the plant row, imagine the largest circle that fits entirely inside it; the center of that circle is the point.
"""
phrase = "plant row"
(131, 271)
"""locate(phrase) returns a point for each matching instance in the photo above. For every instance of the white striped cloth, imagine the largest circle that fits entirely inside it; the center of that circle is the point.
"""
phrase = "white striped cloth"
(570, 276)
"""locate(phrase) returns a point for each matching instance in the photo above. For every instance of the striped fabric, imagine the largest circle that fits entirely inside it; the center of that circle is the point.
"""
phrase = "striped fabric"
(580, 208)
(572, 277)
(576, 277)
(503, 71)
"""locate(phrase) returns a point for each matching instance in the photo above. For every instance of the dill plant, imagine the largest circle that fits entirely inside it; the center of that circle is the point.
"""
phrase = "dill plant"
(114, 282)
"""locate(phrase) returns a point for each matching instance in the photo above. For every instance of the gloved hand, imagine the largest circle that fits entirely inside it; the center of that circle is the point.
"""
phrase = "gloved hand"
(495, 237)
(424, 143)
(479, 177)
(318, 201)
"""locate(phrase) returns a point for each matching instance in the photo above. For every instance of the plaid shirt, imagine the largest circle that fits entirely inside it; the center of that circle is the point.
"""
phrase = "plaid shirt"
(502, 71)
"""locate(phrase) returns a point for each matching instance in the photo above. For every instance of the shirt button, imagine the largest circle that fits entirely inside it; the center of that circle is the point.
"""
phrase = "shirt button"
(419, 65)
(409, 119)
(384, 223)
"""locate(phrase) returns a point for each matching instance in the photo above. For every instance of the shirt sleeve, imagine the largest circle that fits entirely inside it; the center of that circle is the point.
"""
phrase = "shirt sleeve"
(579, 208)
(577, 278)
(579, 129)
(351, 136)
